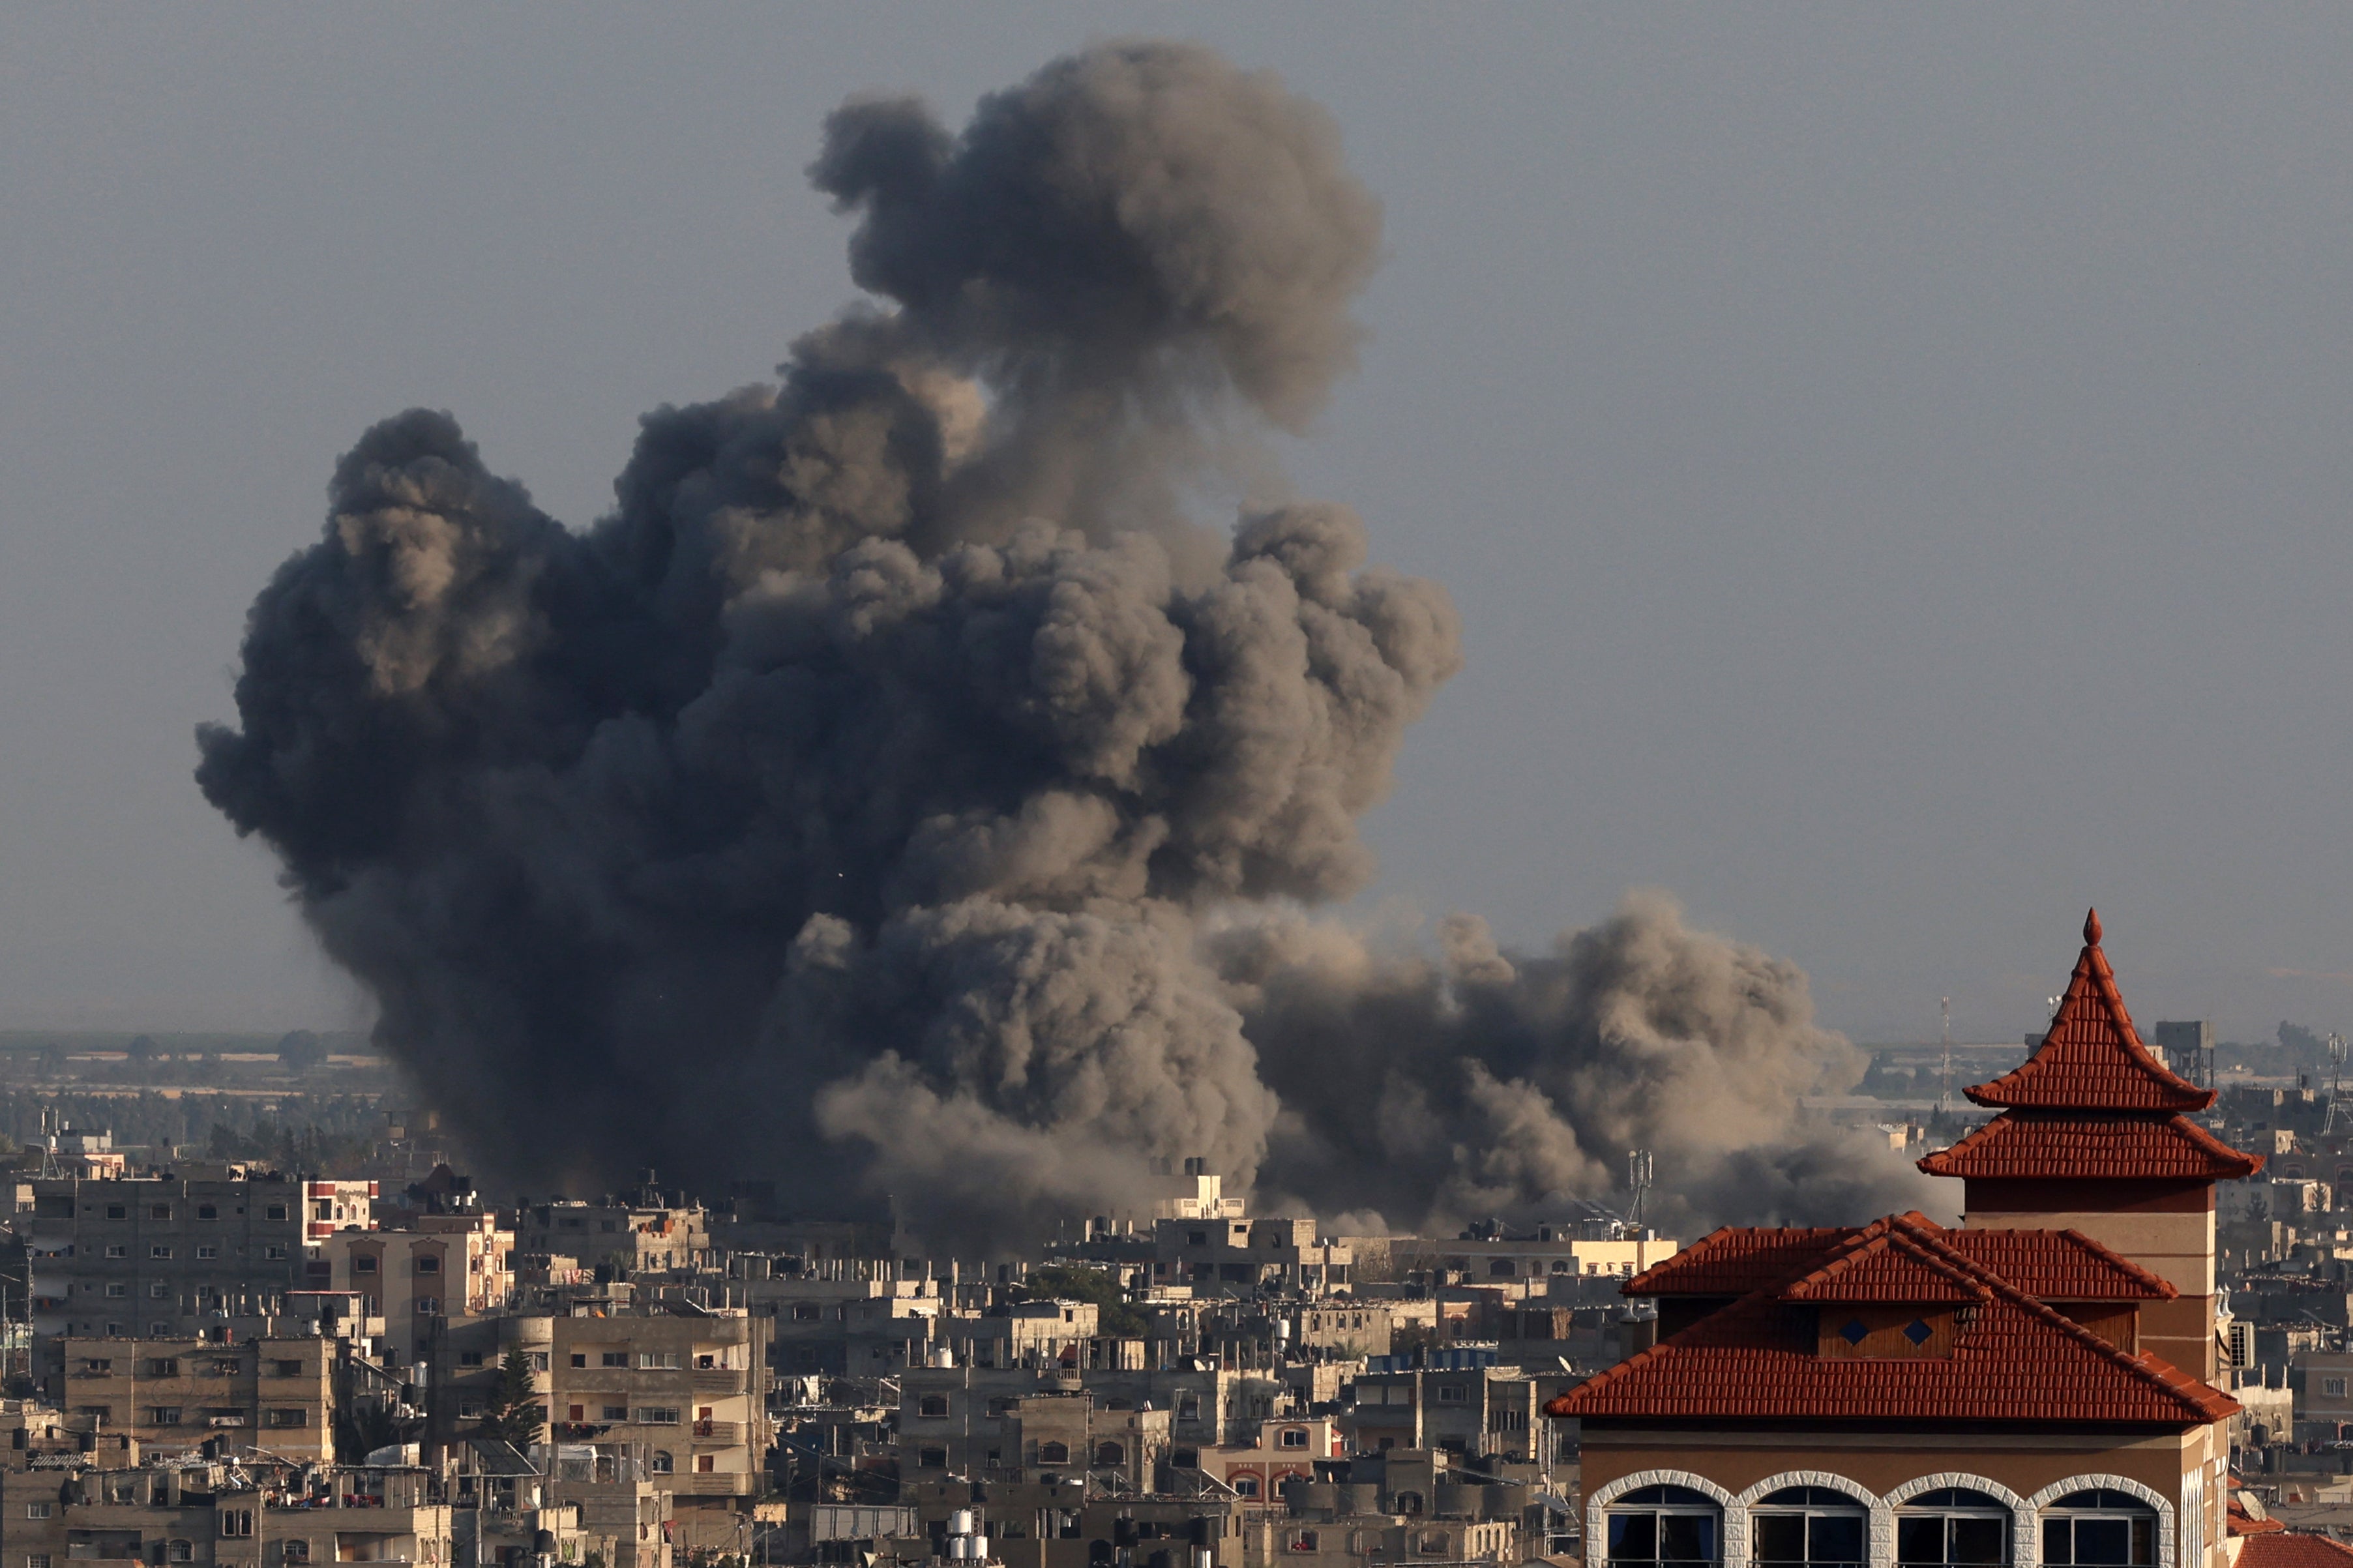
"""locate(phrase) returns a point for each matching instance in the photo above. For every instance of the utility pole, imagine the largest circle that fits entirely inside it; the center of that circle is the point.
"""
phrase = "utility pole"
(1945, 1080)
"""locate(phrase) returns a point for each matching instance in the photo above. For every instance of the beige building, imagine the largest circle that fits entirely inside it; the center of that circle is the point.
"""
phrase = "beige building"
(224, 1516)
(172, 1393)
(448, 1264)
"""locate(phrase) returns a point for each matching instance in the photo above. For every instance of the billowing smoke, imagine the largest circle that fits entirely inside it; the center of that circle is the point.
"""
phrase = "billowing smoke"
(846, 807)
(1482, 1084)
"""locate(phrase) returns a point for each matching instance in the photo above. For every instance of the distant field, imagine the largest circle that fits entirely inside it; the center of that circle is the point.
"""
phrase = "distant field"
(107, 1042)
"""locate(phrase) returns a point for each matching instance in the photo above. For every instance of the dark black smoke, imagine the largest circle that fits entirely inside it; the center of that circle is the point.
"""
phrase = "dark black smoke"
(845, 805)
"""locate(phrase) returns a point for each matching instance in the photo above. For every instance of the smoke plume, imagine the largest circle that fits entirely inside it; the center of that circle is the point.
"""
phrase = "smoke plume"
(849, 805)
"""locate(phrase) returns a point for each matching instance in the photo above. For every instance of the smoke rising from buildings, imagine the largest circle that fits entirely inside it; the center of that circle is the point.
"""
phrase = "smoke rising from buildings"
(900, 792)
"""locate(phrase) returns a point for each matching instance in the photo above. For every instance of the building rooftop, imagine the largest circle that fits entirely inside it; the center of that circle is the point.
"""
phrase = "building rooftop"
(2091, 1058)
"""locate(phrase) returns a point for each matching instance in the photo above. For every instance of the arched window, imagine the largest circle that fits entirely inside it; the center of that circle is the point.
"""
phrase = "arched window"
(1245, 1485)
(1812, 1525)
(1053, 1453)
(2099, 1527)
(1952, 1525)
(1110, 1453)
(661, 1463)
(1663, 1524)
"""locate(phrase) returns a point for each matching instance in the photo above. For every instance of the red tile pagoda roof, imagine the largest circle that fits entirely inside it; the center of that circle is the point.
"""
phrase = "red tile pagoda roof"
(2063, 1147)
(1884, 1262)
(2048, 1265)
(2012, 1359)
(2093, 1058)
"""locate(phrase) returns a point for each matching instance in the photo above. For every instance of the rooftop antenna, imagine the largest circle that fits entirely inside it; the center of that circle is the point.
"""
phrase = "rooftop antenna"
(2335, 1063)
(1945, 1083)
(1638, 1178)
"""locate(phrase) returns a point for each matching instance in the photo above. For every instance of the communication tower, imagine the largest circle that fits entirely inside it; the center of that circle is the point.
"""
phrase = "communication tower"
(1638, 1179)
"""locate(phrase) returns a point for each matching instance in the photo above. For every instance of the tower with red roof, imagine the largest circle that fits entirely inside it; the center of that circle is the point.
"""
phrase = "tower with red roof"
(2095, 1136)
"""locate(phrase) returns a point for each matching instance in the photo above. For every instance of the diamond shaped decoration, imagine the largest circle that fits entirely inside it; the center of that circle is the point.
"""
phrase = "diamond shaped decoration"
(1917, 1332)
(1853, 1332)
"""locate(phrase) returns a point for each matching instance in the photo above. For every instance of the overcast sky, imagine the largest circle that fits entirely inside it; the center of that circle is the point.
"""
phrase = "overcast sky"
(1893, 463)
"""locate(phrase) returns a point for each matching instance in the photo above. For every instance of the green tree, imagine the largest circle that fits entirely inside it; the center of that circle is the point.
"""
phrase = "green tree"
(513, 1414)
(1112, 1314)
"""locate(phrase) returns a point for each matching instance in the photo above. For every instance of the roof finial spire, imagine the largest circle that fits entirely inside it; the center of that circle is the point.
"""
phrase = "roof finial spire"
(2092, 928)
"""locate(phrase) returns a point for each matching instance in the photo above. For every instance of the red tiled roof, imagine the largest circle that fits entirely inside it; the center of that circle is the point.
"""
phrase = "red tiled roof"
(2013, 1360)
(1884, 1262)
(1735, 1260)
(2290, 1548)
(2048, 1265)
(2060, 1147)
(2093, 1059)
(2059, 1265)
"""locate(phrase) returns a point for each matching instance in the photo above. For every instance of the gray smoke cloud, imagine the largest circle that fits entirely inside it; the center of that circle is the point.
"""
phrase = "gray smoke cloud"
(1431, 1091)
(847, 806)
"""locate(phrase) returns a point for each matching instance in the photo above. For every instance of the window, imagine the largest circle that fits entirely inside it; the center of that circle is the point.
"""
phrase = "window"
(208, 1252)
(1295, 1437)
(932, 1405)
(1450, 1394)
(429, 1306)
(362, 1263)
(117, 1288)
(469, 1358)
(805, 1312)
(158, 1289)
(577, 1413)
(428, 1264)
(1244, 1485)
(1188, 1408)
(276, 1211)
(579, 1358)
(236, 1522)
(118, 1211)
(660, 1464)
(277, 1254)
(1662, 1524)
(283, 1369)
(1812, 1525)
(617, 1413)
(661, 1361)
(36, 1511)
(657, 1416)
(1185, 1458)
(159, 1210)
(1110, 1453)
(2333, 1387)
(1951, 1526)
(118, 1249)
(2099, 1527)
(208, 1211)
(1499, 1267)
(538, 1360)
(283, 1418)
(38, 1560)
(298, 1551)
(1434, 1544)
(1053, 1453)
(178, 1551)
(1303, 1540)
(165, 1415)
(613, 1358)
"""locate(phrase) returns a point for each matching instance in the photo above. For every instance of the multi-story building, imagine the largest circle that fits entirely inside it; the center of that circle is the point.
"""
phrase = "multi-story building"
(683, 1390)
(243, 1516)
(2033, 1387)
(1248, 1254)
(1456, 1405)
(142, 1255)
(172, 1393)
(441, 1266)
(638, 1232)
(1284, 1451)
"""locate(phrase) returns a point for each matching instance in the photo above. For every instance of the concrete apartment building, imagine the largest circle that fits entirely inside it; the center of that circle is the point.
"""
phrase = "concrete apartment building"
(646, 1231)
(224, 1517)
(441, 1266)
(1473, 1411)
(140, 1256)
(682, 1389)
(1245, 1256)
(966, 1420)
(172, 1393)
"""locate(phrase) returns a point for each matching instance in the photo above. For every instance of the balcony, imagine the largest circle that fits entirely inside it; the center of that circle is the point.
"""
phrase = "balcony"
(718, 1484)
(718, 1431)
(717, 1379)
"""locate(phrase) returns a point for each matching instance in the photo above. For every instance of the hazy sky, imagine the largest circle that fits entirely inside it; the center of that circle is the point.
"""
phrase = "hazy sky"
(1893, 464)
